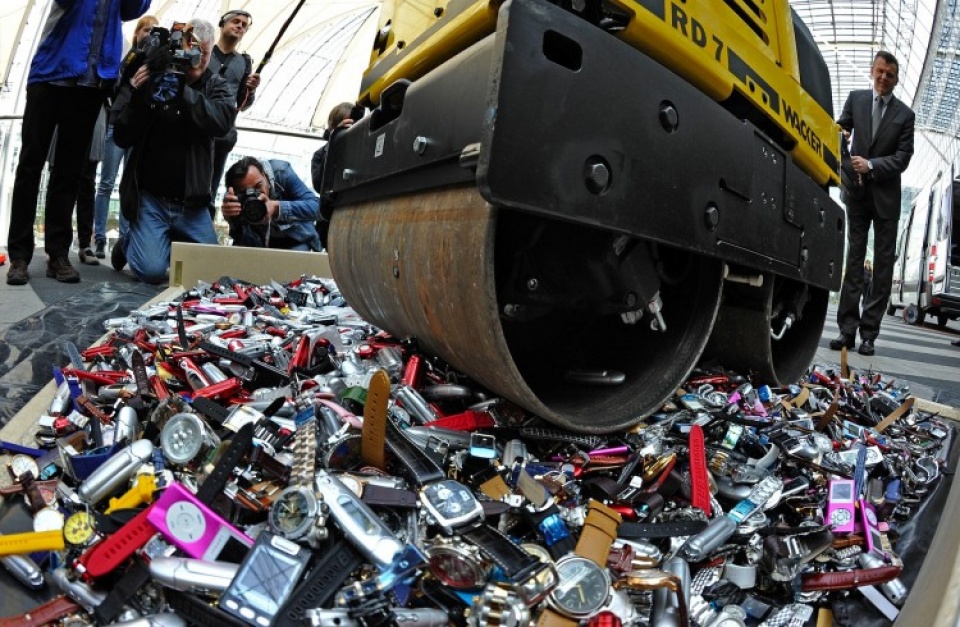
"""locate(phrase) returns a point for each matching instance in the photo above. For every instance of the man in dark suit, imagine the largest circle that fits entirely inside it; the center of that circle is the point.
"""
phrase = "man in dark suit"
(879, 129)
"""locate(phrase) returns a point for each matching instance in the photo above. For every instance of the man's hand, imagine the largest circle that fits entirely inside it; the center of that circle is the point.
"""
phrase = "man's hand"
(253, 81)
(230, 207)
(860, 165)
(141, 76)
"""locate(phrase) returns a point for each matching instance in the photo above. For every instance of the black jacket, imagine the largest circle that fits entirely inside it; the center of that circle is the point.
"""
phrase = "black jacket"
(208, 105)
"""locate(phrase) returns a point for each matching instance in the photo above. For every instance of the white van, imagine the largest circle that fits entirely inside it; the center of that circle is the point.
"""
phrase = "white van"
(926, 276)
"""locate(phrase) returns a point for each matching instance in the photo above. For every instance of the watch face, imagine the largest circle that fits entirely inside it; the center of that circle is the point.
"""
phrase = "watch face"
(458, 567)
(48, 519)
(79, 529)
(293, 512)
(21, 464)
(583, 588)
(451, 503)
(182, 438)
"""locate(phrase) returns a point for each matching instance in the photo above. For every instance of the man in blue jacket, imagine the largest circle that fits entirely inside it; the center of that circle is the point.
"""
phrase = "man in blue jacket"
(73, 70)
(289, 209)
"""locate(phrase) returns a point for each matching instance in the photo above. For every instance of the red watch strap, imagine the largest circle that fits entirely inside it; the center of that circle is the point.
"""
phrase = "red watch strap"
(104, 556)
(699, 480)
(54, 609)
(469, 420)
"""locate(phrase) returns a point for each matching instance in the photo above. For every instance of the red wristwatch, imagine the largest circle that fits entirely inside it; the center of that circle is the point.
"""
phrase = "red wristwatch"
(105, 556)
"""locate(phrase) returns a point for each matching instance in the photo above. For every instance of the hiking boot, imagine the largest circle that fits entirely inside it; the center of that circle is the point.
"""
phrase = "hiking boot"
(59, 268)
(18, 273)
(118, 256)
(101, 250)
(88, 257)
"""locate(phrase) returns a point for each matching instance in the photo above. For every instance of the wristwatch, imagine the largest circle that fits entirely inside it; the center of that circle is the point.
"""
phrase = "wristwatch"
(296, 514)
(80, 529)
(105, 556)
(458, 564)
(184, 437)
(499, 606)
(240, 444)
(452, 507)
(585, 585)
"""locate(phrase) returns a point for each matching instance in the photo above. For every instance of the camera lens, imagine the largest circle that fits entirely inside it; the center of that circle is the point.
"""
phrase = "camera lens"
(252, 209)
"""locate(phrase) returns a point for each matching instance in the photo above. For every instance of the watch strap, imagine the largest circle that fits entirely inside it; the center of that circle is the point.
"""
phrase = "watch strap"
(514, 561)
(214, 483)
(415, 465)
(391, 497)
(122, 591)
(550, 618)
(676, 529)
(372, 447)
(699, 479)
(23, 543)
(326, 577)
(105, 556)
(198, 612)
(210, 409)
(305, 453)
(494, 486)
(54, 609)
(469, 420)
(598, 533)
(895, 414)
(847, 579)
(589, 442)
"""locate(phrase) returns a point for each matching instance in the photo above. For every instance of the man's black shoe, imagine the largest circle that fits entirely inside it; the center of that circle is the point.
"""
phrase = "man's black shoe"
(101, 250)
(18, 274)
(866, 348)
(118, 256)
(59, 268)
(955, 343)
(842, 340)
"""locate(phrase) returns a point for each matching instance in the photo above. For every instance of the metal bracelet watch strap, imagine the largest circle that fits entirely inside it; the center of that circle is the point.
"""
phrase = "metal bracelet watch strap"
(374, 433)
(304, 453)
(213, 485)
(52, 610)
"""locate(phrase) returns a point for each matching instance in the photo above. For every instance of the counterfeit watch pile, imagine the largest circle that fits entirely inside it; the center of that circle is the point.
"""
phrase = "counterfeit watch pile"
(259, 455)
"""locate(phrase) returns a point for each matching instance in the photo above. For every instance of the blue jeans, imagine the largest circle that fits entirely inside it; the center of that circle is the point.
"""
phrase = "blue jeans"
(112, 156)
(158, 222)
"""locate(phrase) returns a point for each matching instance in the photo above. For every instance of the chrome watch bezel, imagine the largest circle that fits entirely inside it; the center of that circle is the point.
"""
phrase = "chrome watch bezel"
(309, 529)
(467, 553)
(558, 607)
(450, 524)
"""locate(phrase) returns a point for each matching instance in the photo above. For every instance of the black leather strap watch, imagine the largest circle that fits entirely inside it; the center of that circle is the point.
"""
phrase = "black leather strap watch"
(412, 462)
(638, 531)
(126, 587)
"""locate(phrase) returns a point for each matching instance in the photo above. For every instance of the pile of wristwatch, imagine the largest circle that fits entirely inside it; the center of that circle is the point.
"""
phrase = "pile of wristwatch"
(260, 455)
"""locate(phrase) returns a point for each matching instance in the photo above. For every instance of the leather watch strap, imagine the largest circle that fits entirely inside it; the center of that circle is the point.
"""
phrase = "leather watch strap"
(699, 479)
(894, 415)
(849, 578)
(372, 446)
(598, 533)
(320, 585)
(214, 483)
(390, 497)
(495, 487)
(638, 531)
(514, 561)
(133, 579)
(104, 557)
(199, 612)
(52, 610)
(415, 465)
(549, 618)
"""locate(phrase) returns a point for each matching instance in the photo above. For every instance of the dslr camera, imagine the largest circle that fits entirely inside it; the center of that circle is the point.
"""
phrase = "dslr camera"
(252, 209)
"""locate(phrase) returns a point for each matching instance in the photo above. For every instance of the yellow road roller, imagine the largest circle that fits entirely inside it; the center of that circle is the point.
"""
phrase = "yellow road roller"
(575, 202)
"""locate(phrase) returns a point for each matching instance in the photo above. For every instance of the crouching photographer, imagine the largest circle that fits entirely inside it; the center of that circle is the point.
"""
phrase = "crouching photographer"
(268, 206)
(171, 109)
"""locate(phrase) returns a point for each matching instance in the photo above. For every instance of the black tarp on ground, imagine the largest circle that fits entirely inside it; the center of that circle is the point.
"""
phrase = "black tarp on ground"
(30, 348)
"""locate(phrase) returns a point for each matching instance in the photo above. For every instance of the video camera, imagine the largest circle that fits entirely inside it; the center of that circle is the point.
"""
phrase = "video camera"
(168, 54)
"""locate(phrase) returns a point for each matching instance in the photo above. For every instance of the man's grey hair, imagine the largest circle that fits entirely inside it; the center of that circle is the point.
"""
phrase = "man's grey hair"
(204, 31)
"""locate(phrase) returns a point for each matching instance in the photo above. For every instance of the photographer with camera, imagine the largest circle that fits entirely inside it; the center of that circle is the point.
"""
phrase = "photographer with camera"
(268, 206)
(175, 109)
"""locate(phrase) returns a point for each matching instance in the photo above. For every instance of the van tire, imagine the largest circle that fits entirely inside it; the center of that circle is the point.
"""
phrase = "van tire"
(913, 315)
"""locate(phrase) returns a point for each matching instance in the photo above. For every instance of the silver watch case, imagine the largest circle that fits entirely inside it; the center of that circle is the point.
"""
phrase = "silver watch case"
(311, 529)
